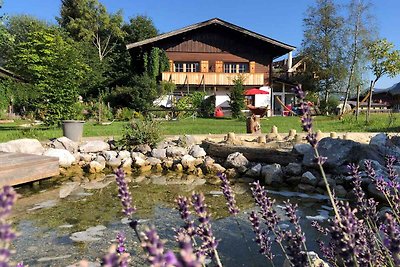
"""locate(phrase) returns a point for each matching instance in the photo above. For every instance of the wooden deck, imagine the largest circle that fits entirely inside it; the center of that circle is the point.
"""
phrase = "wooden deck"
(18, 168)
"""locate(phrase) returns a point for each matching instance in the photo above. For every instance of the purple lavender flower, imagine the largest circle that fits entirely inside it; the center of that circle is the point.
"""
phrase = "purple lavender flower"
(20, 264)
(390, 161)
(262, 238)
(229, 195)
(265, 203)
(392, 238)
(370, 170)
(296, 238)
(111, 259)
(183, 208)
(121, 243)
(204, 231)
(7, 235)
(155, 250)
(187, 257)
(124, 194)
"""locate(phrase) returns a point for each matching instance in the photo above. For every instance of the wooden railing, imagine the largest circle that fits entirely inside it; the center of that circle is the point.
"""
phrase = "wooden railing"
(211, 78)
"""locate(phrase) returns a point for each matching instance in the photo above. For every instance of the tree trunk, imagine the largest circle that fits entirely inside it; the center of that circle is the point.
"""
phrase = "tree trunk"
(369, 101)
(358, 102)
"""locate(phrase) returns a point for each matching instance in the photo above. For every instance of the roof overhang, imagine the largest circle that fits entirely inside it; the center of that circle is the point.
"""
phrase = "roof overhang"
(215, 21)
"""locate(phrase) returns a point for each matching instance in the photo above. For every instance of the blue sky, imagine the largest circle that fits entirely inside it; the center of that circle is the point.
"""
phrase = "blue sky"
(281, 20)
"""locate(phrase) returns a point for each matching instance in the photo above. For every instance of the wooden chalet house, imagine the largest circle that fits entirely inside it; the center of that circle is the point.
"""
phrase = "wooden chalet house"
(208, 55)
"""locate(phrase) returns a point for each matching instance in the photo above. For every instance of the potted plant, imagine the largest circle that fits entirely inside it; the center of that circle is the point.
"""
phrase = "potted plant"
(73, 129)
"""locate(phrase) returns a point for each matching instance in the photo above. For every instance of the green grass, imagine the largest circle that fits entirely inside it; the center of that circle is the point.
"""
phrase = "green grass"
(378, 123)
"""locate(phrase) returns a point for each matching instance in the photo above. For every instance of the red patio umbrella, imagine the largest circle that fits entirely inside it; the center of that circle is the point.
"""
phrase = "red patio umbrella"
(255, 91)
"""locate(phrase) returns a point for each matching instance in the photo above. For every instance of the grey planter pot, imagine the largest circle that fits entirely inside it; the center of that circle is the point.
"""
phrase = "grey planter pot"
(73, 129)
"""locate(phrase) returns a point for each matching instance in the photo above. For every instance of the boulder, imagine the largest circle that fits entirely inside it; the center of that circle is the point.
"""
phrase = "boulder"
(109, 155)
(94, 146)
(302, 149)
(254, 171)
(178, 167)
(293, 169)
(139, 162)
(208, 161)
(236, 160)
(153, 161)
(86, 157)
(379, 140)
(145, 168)
(96, 167)
(272, 173)
(340, 191)
(188, 162)
(138, 154)
(29, 146)
(186, 140)
(215, 168)
(100, 159)
(64, 143)
(127, 163)
(375, 193)
(143, 148)
(168, 164)
(65, 158)
(159, 153)
(114, 163)
(123, 154)
(197, 151)
(176, 151)
(231, 173)
(309, 178)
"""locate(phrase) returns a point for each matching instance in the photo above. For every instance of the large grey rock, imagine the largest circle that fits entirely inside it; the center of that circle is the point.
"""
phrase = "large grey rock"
(215, 168)
(254, 171)
(186, 140)
(159, 153)
(188, 161)
(197, 151)
(302, 148)
(65, 158)
(127, 162)
(236, 160)
(139, 162)
(94, 146)
(123, 154)
(109, 155)
(86, 157)
(340, 191)
(293, 169)
(91, 234)
(175, 151)
(114, 163)
(96, 167)
(64, 143)
(29, 146)
(309, 178)
(143, 148)
(153, 161)
(272, 173)
(138, 154)
(379, 140)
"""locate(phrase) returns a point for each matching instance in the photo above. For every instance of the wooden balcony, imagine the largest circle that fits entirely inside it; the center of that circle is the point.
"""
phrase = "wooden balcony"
(211, 78)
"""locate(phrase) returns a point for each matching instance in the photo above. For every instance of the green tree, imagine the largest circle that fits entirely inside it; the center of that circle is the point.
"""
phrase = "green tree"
(88, 20)
(384, 60)
(55, 67)
(139, 28)
(360, 32)
(237, 97)
(323, 44)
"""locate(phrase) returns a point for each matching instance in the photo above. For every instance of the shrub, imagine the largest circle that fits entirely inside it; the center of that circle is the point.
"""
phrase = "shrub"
(124, 114)
(207, 107)
(237, 97)
(141, 131)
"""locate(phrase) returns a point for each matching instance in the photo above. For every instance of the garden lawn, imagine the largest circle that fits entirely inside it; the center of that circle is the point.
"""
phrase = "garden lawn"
(379, 123)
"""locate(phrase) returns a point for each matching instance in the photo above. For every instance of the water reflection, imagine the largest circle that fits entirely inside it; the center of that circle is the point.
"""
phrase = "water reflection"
(46, 231)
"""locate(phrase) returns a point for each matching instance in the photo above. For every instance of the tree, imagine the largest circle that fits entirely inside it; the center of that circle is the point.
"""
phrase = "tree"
(237, 97)
(384, 60)
(323, 46)
(360, 33)
(139, 29)
(88, 20)
(56, 69)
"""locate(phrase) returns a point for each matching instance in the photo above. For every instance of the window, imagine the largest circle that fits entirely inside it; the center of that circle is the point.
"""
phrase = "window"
(236, 67)
(186, 67)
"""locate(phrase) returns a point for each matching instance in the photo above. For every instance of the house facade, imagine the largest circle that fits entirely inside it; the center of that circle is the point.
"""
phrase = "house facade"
(208, 56)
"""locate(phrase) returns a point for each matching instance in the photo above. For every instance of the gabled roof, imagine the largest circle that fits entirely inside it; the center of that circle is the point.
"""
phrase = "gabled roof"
(12, 75)
(211, 22)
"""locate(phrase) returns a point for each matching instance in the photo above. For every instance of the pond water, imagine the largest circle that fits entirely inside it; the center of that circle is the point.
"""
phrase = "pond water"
(47, 224)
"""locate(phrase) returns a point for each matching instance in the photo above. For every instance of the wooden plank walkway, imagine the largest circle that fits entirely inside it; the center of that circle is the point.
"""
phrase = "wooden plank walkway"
(18, 168)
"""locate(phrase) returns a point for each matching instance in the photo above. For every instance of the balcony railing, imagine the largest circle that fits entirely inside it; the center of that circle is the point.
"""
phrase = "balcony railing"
(212, 78)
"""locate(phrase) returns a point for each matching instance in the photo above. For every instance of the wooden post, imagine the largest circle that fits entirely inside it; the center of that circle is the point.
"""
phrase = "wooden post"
(358, 102)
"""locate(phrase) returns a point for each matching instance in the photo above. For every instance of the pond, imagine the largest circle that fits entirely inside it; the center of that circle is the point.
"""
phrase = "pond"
(49, 226)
